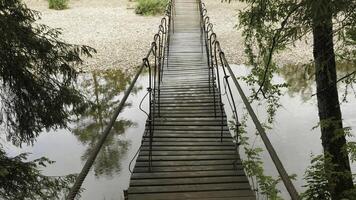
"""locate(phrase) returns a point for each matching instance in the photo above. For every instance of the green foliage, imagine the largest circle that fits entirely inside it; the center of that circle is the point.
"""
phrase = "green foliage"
(316, 179)
(262, 39)
(351, 149)
(37, 74)
(21, 179)
(58, 4)
(37, 91)
(254, 168)
(253, 164)
(317, 175)
(150, 7)
(271, 26)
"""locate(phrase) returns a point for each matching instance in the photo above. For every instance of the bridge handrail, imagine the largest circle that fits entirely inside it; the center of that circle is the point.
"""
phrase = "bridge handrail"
(214, 51)
(158, 50)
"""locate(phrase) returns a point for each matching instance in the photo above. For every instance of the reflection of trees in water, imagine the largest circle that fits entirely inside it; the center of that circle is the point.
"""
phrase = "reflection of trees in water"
(301, 79)
(102, 91)
(108, 160)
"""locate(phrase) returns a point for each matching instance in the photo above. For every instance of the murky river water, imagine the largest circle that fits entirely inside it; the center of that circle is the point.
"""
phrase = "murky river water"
(292, 134)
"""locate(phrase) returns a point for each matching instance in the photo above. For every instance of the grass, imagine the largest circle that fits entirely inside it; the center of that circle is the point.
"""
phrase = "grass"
(150, 7)
(58, 4)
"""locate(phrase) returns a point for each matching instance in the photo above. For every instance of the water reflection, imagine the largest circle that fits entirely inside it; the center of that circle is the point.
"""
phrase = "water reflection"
(301, 80)
(292, 135)
(102, 90)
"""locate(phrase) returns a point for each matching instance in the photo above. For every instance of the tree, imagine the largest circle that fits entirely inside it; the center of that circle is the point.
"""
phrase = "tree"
(21, 179)
(37, 74)
(37, 91)
(270, 26)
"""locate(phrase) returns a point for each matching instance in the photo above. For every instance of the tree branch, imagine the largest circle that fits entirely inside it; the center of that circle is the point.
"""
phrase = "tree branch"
(340, 79)
(274, 43)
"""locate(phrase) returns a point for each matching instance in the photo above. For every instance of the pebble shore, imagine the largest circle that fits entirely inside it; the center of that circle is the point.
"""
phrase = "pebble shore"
(122, 38)
(224, 17)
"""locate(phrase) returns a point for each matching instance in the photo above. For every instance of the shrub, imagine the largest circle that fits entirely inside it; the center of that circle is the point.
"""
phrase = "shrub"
(150, 7)
(58, 4)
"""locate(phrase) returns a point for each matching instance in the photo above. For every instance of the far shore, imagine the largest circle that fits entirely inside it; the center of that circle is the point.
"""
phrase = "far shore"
(122, 38)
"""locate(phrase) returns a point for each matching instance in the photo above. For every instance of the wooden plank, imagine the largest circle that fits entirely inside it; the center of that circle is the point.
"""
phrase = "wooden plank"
(167, 153)
(191, 139)
(190, 148)
(187, 111)
(164, 86)
(216, 144)
(190, 180)
(189, 95)
(191, 135)
(193, 131)
(188, 168)
(191, 109)
(188, 128)
(195, 119)
(185, 115)
(186, 157)
(201, 97)
(189, 163)
(160, 175)
(241, 194)
(190, 188)
(218, 122)
(200, 104)
(190, 101)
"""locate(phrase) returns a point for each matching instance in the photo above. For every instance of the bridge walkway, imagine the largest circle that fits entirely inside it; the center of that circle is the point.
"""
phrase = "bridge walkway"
(193, 156)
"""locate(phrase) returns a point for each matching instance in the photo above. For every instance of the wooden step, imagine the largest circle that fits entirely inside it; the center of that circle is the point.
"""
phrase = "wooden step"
(186, 153)
(190, 180)
(189, 163)
(190, 188)
(160, 175)
(207, 195)
(188, 148)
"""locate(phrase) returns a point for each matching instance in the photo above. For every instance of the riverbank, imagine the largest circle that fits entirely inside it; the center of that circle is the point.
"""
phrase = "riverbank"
(225, 20)
(122, 38)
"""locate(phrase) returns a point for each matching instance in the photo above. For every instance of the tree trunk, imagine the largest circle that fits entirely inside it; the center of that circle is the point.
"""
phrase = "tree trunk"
(332, 132)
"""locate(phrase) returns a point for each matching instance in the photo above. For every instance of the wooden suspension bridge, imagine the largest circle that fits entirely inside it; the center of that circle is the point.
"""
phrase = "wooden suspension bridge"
(187, 151)
(190, 157)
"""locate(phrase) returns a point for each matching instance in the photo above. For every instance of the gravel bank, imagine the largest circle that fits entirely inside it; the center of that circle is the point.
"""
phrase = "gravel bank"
(121, 37)
(224, 17)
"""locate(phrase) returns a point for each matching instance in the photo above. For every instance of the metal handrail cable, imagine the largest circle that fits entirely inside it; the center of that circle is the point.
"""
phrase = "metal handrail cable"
(224, 64)
(152, 51)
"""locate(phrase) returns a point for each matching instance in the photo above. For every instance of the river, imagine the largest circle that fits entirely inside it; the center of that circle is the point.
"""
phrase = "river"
(292, 134)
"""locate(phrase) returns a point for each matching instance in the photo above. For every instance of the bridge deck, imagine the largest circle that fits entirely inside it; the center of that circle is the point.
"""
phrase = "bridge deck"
(189, 160)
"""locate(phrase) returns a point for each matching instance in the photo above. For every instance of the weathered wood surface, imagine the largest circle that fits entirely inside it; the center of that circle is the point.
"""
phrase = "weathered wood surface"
(189, 159)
